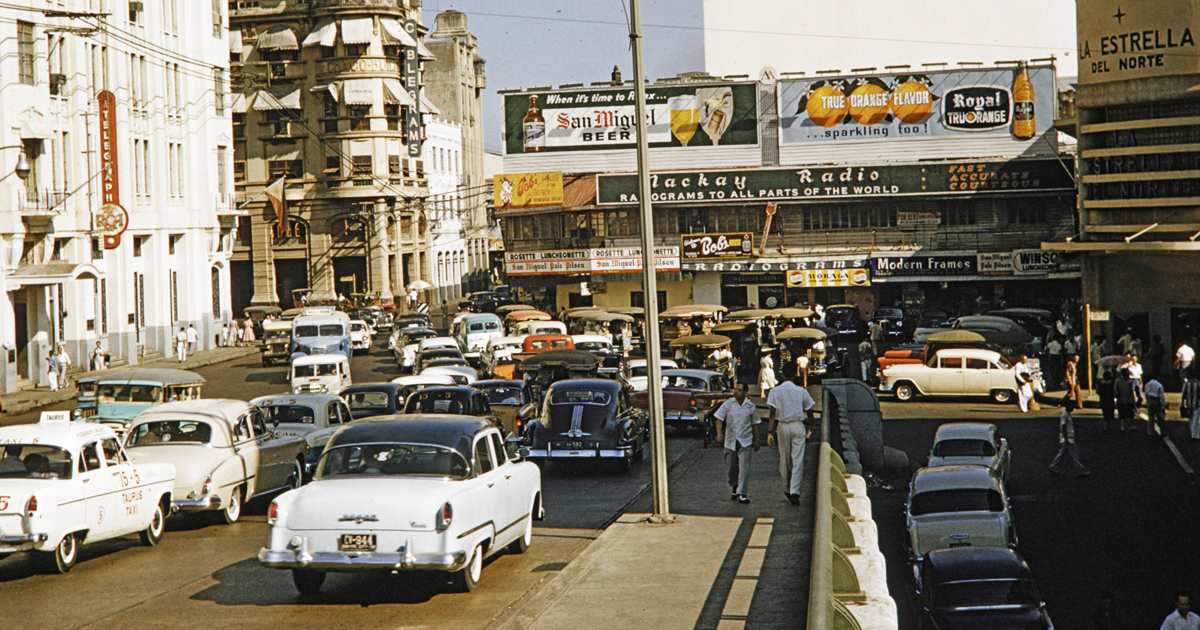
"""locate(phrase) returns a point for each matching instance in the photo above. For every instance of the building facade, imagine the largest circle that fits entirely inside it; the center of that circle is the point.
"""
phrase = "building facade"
(329, 107)
(119, 230)
(445, 208)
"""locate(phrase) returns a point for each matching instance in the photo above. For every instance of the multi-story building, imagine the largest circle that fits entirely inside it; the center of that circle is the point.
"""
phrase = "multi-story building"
(116, 225)
(328, 102)
(455, 83)
(448, 250)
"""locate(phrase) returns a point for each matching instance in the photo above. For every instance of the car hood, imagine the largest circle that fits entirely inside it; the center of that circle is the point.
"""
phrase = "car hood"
(328, 504)
(990, 462)
(941, 531)
(193, 463)
(1027, 618)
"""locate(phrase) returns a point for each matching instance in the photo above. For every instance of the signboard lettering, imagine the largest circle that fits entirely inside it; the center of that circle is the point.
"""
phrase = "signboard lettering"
(410, 73)
(528, 190)
(112, 219)
(587, 261)
(937, 265)
(717, 245)
(1135, 40)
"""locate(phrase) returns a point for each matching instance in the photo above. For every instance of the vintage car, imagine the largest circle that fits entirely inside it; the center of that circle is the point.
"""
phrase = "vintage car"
(301, 414)
(425, 356)
(1002, 333)
(320, 374)
(543, 369)
(530, 327)
(978, 587)
(635, 372)
(360, 336)
(689, 319)
(65, 484)
(223, 451)
(473, 333)
(513, 318)
(86, 389)
(953, 372)
(688, 397)
(809, 343)
(970, 443)
(405, 346)
(122, 395)
(588, 419)
(497, 352)
(373, 399)
(462, 374)
(455, 400)
(464, 499)
(512, 403)
(893, 326)
(602, 347)
(847, 320)
(958, 506)
(277, 340)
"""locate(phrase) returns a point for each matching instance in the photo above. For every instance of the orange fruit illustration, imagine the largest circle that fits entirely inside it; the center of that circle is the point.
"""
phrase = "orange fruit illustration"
(868, 104)
(826, 106)
(912, 102)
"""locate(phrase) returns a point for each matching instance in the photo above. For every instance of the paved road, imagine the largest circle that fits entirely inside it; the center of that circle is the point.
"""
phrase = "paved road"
(202, 571)
(1130, 526)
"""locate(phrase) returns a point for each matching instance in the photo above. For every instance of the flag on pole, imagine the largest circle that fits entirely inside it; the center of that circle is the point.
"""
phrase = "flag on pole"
(274, 192)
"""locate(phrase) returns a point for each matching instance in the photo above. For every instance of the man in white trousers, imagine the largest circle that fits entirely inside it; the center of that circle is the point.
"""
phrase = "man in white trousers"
(786, 426)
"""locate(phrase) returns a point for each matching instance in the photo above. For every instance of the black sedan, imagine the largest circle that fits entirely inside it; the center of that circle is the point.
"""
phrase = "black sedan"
(846, 319)
(588, 419)
(458, 401)
(373, 399)
(978, 587)
(891, 320)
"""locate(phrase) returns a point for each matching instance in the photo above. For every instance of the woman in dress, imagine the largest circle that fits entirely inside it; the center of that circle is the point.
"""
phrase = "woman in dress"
(249, 336)
(766, 374)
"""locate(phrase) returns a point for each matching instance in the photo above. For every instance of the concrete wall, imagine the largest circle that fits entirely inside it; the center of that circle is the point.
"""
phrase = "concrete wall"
(1127, 284)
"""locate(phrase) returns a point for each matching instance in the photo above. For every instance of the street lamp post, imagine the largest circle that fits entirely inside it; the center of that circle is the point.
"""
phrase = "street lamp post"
(22, 168)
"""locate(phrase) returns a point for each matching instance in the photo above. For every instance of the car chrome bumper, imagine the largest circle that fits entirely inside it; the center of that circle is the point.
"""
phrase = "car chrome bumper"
(196, 505)
(604, 453)
(13, 543)
(682, 417)
(348, 562)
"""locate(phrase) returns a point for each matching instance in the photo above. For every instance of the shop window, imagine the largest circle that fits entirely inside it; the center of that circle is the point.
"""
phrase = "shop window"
(360, 117)
(1027, 214)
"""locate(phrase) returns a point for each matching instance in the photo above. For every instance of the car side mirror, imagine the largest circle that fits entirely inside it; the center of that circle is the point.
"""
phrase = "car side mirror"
(276, 423)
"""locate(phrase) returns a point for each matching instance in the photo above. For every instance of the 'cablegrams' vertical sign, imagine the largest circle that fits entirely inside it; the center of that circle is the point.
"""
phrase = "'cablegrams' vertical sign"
(111, 219)
(411, 73)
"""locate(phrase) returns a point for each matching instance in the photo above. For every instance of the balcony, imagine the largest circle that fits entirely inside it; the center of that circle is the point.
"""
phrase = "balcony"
(41, 201)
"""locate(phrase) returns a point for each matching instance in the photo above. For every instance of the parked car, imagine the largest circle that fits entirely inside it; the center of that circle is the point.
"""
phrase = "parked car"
(847, 320)
(512, 403)
(223, 453)
(953, 372)
(373, 399)
(970, 443)
(891, 320)
(978, 587)
(320, 373)
(66, 484)
(360, 336)
(635, 372)
(1002, 333)
(958, 506)
(465, 499)
(688, 397)
(588, 419)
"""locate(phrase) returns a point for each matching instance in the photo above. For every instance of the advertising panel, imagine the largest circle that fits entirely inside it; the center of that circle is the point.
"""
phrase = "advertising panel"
(915, 266)
(528, 190)
(1016, 102)
(717, 246)
(858, 277)
(112, 219)
(820, 268)
(1135, 40)
(995, 263)
(842, 182)
(692, 115)
(918, 219)
(1025, 261)
(587, 261)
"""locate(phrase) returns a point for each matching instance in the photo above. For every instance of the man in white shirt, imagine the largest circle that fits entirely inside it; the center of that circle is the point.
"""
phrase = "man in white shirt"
(1156, 406)
(789, 403)
(737, 427)
(181, 345)
(1024, 377)
(1182, 618)
(1184, 356)
(192, 338)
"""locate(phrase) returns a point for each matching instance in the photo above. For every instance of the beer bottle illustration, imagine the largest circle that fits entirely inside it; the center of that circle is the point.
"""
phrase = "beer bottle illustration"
(1024, 126)
(534, 127)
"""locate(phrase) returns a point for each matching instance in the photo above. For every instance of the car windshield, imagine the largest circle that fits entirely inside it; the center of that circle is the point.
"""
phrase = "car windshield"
(414, 337)
(366, 400)
(592, 346)
(130, 393)
(170, 431)
(839, 316)
(956, 500)
(318, 369)
(392, 460)
(638, 370)
(579, 397)
(289, 414)
(438, 402)
(323, 330)
(503, 394)
(34, 461)
(543, 330)
(358, 327)
(986, 594)
(964, 448)
(684, 382)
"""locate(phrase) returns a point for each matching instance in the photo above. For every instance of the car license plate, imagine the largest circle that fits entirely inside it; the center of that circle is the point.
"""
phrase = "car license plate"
(573, 445)
(357, 542)
(960, 543)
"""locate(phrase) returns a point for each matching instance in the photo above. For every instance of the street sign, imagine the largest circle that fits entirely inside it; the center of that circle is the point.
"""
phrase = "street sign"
(1098, 316)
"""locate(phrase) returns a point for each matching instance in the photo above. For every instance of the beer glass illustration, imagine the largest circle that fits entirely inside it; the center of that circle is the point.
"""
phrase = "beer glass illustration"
(685, 116)
(716, 111)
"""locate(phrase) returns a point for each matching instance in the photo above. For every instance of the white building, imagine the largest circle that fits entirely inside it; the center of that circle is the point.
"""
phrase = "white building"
(167, 65)
(444, 208)
(744, 36)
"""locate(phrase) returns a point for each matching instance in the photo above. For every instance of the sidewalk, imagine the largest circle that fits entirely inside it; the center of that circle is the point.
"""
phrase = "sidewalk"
(29, 399)
(721, 564)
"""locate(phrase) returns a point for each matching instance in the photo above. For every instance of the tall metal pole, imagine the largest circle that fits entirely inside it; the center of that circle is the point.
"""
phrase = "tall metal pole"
(658, 438)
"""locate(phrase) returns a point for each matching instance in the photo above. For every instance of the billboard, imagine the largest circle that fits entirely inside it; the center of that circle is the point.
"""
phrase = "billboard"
(528, 190)
(1136, 40)
(716, 246)
(997, 102)
(587, 261)
(682, 115)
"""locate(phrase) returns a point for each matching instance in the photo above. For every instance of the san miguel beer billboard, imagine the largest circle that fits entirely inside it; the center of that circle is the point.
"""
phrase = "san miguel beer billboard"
(684, 115)
(1017, 102)
(1134, 40)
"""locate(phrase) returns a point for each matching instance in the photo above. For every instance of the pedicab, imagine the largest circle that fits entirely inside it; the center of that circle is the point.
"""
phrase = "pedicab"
(809, 343)
(709, 352)
(545, 368)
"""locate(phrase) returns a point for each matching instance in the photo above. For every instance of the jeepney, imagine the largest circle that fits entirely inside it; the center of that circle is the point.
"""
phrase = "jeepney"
(122, 395)
(277, 337)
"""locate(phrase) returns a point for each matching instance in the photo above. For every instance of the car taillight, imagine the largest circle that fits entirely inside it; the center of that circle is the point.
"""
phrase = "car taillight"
(445, 515)
(272, 513)
(692, 402)
(31, 507)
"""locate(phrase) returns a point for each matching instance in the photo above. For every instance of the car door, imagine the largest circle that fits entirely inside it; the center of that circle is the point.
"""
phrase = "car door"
(490, 499)
(947, 377)
(977, 377)
(245, 448)
(333, 415)
(101, 489)
(273, 463)
(135, 504)
(509, 508)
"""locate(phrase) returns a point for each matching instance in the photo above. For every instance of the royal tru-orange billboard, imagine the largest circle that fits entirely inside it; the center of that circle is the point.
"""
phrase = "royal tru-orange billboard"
(528, 190)
(1014, 102)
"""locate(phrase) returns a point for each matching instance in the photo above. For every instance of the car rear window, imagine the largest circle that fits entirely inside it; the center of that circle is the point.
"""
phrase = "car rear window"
(172, 431)
(34, 461)
(964, 448)
(580, 397)
(392, 460)
(956, 500)
(986, 594)
(291, 414)
(503, 395)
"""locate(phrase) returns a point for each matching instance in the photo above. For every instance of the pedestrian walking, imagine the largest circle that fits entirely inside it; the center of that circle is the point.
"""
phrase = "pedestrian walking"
(866, 357)
(737, 428)
(241, 334)
(1024, 377)
(1107, 391)
(1184, 355)
(99, 358)
(52, 370)
(1156, 407)
(181, 345)
(192, 338)
(249, 334)
(1071, 378)
(225, 334)
(1068, 452)
(1182, 618)
(1190, 404)
(766, 374)
(1126, 399)
(64, 364)
(787, 427)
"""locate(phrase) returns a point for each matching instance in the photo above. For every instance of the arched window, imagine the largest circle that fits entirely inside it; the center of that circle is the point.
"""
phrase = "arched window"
(348, 229)
(295, 233)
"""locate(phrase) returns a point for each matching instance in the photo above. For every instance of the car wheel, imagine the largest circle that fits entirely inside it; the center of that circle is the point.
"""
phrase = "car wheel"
(1001, 395)
(154, 532)
(296, 479)
(905, 392)
(307, 581)
(521, 545)
(234, 510)
(467, 579)
(65, 553)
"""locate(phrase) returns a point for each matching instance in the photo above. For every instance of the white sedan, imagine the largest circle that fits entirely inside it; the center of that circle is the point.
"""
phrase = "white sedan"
(63, 484)
(360, 335)
(464, 499)
(953, 372)
(635, 372)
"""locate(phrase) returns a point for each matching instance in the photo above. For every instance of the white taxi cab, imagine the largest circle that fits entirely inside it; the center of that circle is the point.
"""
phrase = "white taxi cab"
(64, 484)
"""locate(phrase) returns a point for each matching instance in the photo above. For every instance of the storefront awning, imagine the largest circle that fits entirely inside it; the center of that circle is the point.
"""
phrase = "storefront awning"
(50, 273)
(240, 103)
(359, 91)
(394, 93)
(325, 34)
(393, 34)
(424, 53)
(35, 129)
(266, 101)
(330, 89)
(235, 41)
(357, 30)
(427, 105)
(278, 38)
